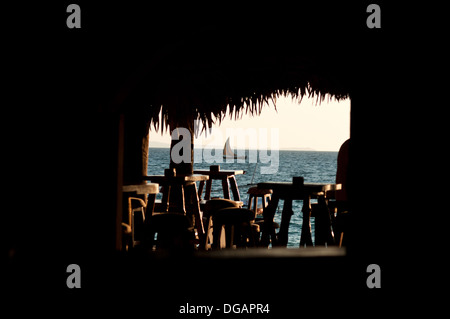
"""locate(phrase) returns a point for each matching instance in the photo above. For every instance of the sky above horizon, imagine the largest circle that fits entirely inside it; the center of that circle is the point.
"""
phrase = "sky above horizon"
(322, 127)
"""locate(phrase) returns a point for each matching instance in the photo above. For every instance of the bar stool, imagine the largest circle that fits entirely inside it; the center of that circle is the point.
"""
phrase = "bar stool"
(238, 224)
(255, 193)
(174, 233)
(265, 195)
(209, 208)
(180, 196)
(227, 177)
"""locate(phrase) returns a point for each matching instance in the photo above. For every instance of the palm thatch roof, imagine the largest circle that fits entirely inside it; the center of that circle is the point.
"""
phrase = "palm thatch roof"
(241, 64)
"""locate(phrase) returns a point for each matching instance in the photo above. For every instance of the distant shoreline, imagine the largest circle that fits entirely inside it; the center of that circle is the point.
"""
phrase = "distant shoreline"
(283, 149)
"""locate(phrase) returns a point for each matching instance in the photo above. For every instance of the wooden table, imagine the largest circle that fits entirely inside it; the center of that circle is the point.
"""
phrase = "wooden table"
(228, 181)
(185, 188)
(289, 191)
(150, 189)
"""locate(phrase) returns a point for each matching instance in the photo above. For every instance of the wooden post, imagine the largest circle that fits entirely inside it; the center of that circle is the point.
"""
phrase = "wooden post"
(208, 189)
(226, 188)
(136, 141)
(234, 188)
(305, 239)
(132, 159)
(183, 167)
(285, 220)
(269, 213)
(145, 145)
(119, 207)
(200, 189)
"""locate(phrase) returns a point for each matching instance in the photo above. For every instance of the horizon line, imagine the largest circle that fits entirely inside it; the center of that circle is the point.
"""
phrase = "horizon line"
(306, 149)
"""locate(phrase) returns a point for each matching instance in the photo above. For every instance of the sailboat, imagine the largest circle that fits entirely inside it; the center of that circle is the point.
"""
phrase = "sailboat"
(228, 152)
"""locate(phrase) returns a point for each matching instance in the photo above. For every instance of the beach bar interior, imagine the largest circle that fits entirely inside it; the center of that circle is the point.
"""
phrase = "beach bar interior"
(91, 186)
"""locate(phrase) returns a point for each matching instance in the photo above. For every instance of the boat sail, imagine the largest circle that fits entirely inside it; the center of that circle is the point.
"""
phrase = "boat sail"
(228, 152)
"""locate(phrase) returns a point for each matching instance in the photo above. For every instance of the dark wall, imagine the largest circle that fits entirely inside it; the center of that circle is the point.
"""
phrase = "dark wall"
(64, 147)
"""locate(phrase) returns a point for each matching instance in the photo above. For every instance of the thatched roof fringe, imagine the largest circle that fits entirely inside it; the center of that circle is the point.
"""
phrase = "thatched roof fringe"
(212, 109)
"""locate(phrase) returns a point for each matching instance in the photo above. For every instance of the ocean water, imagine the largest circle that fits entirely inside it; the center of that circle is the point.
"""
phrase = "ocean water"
(314, 166)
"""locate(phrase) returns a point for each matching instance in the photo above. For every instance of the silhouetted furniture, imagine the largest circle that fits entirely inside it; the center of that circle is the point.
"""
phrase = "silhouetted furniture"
(180, 196)
(336, 200)
(170, 232)
(254, 194)
(297, 190)
(238, 224)
(341, 197)
(339, 211)
(228, 181)
(132, 229)
(265, 195)
(137, 209)
(210, 207)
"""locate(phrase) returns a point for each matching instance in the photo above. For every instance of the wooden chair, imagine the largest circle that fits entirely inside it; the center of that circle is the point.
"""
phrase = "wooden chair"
(238, 224)
(139, 201)
(339, 213)
(132, 229)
